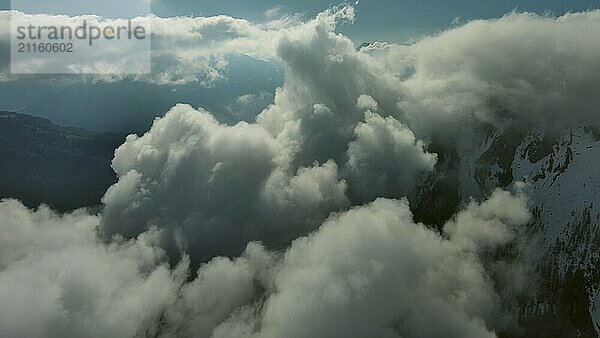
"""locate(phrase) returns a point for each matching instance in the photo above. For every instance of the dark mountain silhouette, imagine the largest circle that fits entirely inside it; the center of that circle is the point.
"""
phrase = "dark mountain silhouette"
(65, 168)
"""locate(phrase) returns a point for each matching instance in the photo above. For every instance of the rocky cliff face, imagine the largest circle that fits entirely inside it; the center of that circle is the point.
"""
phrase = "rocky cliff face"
(561, 246)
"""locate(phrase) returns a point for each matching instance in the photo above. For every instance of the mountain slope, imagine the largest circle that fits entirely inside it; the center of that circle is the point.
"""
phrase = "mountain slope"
(561, 245)
(66, 168)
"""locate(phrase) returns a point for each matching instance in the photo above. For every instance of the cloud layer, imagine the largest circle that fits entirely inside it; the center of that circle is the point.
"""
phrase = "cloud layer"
(299, 222)
(184, 49)
(58, 280)
(370, 270)
(216, 187)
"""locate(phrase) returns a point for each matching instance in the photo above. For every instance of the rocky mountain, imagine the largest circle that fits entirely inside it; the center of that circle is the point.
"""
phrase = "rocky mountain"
(65, 168)
(561, 247)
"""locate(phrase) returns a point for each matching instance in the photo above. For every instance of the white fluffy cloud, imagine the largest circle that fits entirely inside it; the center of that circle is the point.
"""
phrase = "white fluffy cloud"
(385, 158)
(346, 128)
(372, 271)
(481, 225)
(184, 49)
(223, 288)
(58, 280)
(536, 68)
(216, 187)
(368, 271)
(192, 49)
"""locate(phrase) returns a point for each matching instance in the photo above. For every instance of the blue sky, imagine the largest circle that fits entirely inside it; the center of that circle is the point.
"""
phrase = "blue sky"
(384, 20)
(106, 8)
(389, 20)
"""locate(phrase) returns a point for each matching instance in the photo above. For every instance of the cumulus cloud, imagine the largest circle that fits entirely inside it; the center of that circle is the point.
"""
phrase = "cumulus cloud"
(305, 179)
(314, 150)
(370, 270)
(58, 280)
(184, 49)
(193, 49)
(480, 225)
(119, 55)
(223, 288)
(366, 102)
(385, 158)
(216, 187)
(524, 66)
(246, 107)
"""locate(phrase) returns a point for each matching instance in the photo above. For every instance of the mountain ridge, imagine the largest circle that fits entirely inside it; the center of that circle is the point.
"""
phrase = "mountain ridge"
(63, 167)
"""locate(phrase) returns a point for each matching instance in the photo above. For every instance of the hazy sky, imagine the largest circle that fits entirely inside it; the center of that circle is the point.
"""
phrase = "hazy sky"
(389, 20)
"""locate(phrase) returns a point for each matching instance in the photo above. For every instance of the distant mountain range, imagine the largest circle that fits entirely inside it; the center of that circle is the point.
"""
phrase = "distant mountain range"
(131, 106)
(65, 168)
